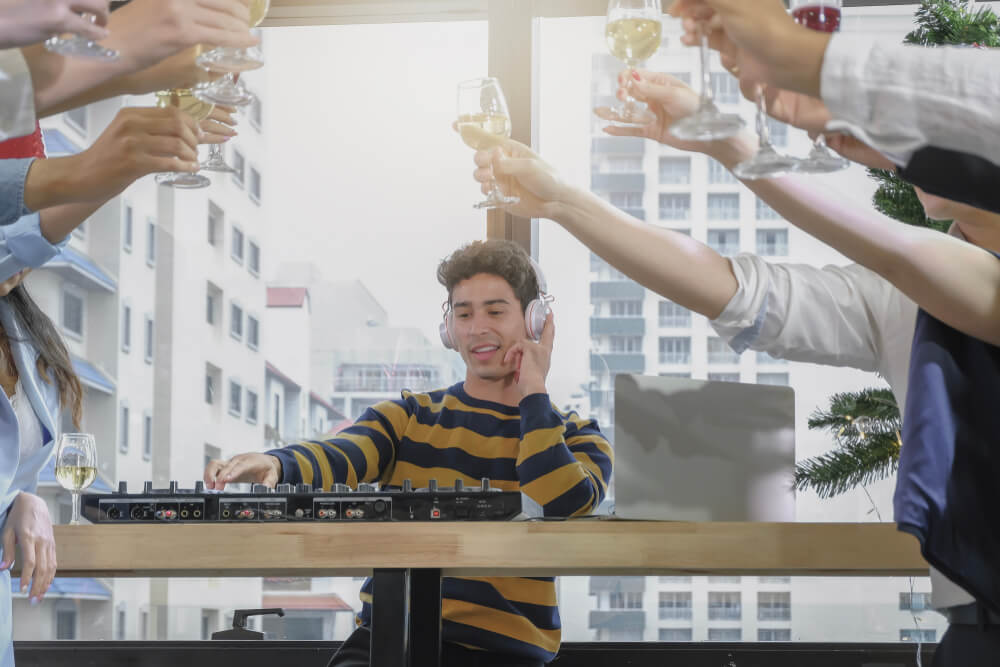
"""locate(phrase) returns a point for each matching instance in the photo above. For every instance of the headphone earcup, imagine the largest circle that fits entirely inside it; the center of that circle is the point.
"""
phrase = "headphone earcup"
(534, 319)
(445, 331)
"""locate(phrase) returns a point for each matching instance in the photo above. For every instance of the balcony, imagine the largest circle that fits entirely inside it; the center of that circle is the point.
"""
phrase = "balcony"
(618, 619)
(617, 363)
(616, 289)
(617, 326)
(618, 182)
(617, 585)
(618, 145)
(637, 213)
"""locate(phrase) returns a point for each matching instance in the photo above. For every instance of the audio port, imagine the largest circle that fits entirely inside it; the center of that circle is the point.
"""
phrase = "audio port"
(196, 514)
(113, 513)
(349, 514)
(359, 514)
(321, 514)
(435, 513)
(225, 514)
(184, 514)
(136, 513)
(378, 506)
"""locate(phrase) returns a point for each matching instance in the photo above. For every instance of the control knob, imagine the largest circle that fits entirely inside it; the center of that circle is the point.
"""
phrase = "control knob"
(147, 487)
(303, 488)
(285, 488)
(432, 485)
(123, 487)
(407, 485)
(199, 487)
(259, 489)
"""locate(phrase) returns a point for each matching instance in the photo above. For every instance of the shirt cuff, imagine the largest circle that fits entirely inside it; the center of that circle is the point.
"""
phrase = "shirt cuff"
(742, 319)
(13, 174)
(17, 96)
(26, 247)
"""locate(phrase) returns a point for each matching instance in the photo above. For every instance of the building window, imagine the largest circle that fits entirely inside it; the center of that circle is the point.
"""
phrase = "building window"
(126, 328)
(675, 350)
(779, 132)
(724, 207)
(209, 388)
(672, 579)
(239, 164)
(123, 428)
(774, 580)
(675, 206)
(253, 258)
(216, 223)
(725, 635)
(624, 164)
(210, 307)
(675, 170)
(777, 379)
(675, 634)
(236, 251)
(724, 241)
(147, 436)
(724, 607)
(120, 623)
(213, 304)
(625, 344)
(675, 605)
(66, 620)
(673, 315)
(148, 342)
(236, 322)
(724, 580)
(625, 308)
(718, 174)
(77, 119)
(914, 601)
(725, 88)
(256, 113)
(772, 242)
(235, 398)
(724, 377)
(774, 606)
(774, 635)
(253, 332)
(72, 311)
(127, 229)
(765, 358)
(625, 200)
(251, 406)
(765, 212)
(254, 189)
(719, 352)
(620, 600)
(150, 242)
(915, 635)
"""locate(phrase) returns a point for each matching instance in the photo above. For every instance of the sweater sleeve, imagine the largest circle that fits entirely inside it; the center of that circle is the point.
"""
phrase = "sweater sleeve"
(564, 462)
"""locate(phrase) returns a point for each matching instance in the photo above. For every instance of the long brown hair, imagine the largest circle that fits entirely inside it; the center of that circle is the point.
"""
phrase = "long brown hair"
(53, 357)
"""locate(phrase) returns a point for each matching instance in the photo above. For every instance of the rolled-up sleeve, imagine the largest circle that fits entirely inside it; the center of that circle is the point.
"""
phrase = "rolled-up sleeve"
(22, 246)
(803, 313)
(13, 174)
(17, 96)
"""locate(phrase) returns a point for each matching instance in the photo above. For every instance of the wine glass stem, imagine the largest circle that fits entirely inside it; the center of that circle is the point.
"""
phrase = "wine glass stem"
(763, 131)
(495, 193)
(215, 152)
(75, 520)
(706, 75)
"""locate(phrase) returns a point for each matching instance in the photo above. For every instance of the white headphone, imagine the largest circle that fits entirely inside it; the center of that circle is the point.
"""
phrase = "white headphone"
(535, 313)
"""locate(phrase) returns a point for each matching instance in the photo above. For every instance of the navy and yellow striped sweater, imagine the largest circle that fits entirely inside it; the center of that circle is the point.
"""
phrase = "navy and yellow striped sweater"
(560, 460)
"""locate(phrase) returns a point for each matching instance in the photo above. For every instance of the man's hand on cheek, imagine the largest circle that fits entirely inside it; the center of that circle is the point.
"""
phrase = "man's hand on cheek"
(531, 361)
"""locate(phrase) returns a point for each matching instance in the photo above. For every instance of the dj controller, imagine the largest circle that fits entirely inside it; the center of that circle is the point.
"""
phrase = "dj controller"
(300, 502)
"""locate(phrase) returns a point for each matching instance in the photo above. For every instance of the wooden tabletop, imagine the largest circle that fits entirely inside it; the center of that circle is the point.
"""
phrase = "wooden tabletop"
(582, 547)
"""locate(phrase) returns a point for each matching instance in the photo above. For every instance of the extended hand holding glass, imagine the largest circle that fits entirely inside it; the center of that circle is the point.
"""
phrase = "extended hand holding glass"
(482, 117)
(823, 16)
(79, 46)
(634, 32)
(707, 123)
(76, 466)
(192, 106)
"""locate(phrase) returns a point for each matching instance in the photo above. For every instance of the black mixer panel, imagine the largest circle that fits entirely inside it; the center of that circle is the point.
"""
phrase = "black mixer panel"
(298, 502)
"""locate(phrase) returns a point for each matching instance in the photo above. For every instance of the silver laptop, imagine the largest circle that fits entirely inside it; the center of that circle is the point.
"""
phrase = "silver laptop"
(691, 450)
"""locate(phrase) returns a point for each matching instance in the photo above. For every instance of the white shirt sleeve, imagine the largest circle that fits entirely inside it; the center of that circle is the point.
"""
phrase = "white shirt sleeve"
(802, 313)
(898, 98)
(17, 96)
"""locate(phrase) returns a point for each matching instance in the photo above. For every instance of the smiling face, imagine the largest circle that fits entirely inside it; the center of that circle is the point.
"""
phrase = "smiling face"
(486, 320)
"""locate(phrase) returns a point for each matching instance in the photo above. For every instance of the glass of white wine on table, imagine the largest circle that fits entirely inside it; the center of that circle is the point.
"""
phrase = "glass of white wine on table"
(483, 117)
(76, 466)
(634, 31)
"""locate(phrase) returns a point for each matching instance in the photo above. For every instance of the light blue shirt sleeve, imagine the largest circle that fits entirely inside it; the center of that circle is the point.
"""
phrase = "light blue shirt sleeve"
(22, 246)
(13, 173)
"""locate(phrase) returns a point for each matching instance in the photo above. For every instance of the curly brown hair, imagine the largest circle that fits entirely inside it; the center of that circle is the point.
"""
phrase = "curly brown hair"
(494, 256)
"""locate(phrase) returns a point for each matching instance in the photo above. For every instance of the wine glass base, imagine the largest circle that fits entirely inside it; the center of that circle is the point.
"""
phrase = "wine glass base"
(231, 60)
(707, 125)
(766, 164)
(218, 166)
(80, 47)
(227, 95)
(182, 180)
(625, 117)
(823, 164)
(497, 202)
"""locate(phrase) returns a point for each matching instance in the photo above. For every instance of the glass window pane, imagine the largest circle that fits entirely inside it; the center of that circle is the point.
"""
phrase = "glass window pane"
(772, 242)
(675, 170)
(675, 206)
(723, 207)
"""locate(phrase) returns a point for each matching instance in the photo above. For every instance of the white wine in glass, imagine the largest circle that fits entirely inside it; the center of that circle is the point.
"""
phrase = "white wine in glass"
(226, 59)
(483, 119)
(76, 466)
(634, 31)
(184, 99)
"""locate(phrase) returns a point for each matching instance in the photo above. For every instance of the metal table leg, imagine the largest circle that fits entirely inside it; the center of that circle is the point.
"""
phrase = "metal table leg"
(425, 618)
(390, 618)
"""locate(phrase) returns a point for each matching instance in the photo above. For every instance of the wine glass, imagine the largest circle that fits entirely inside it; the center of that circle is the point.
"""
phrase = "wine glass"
(707, 123)
(482, 117)
(72, 44)
(767, 162)
(824, 16)
(228, 90)
(183, 99)
(217, 161)
(634, 31)
(228, 59)
(76, 466)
